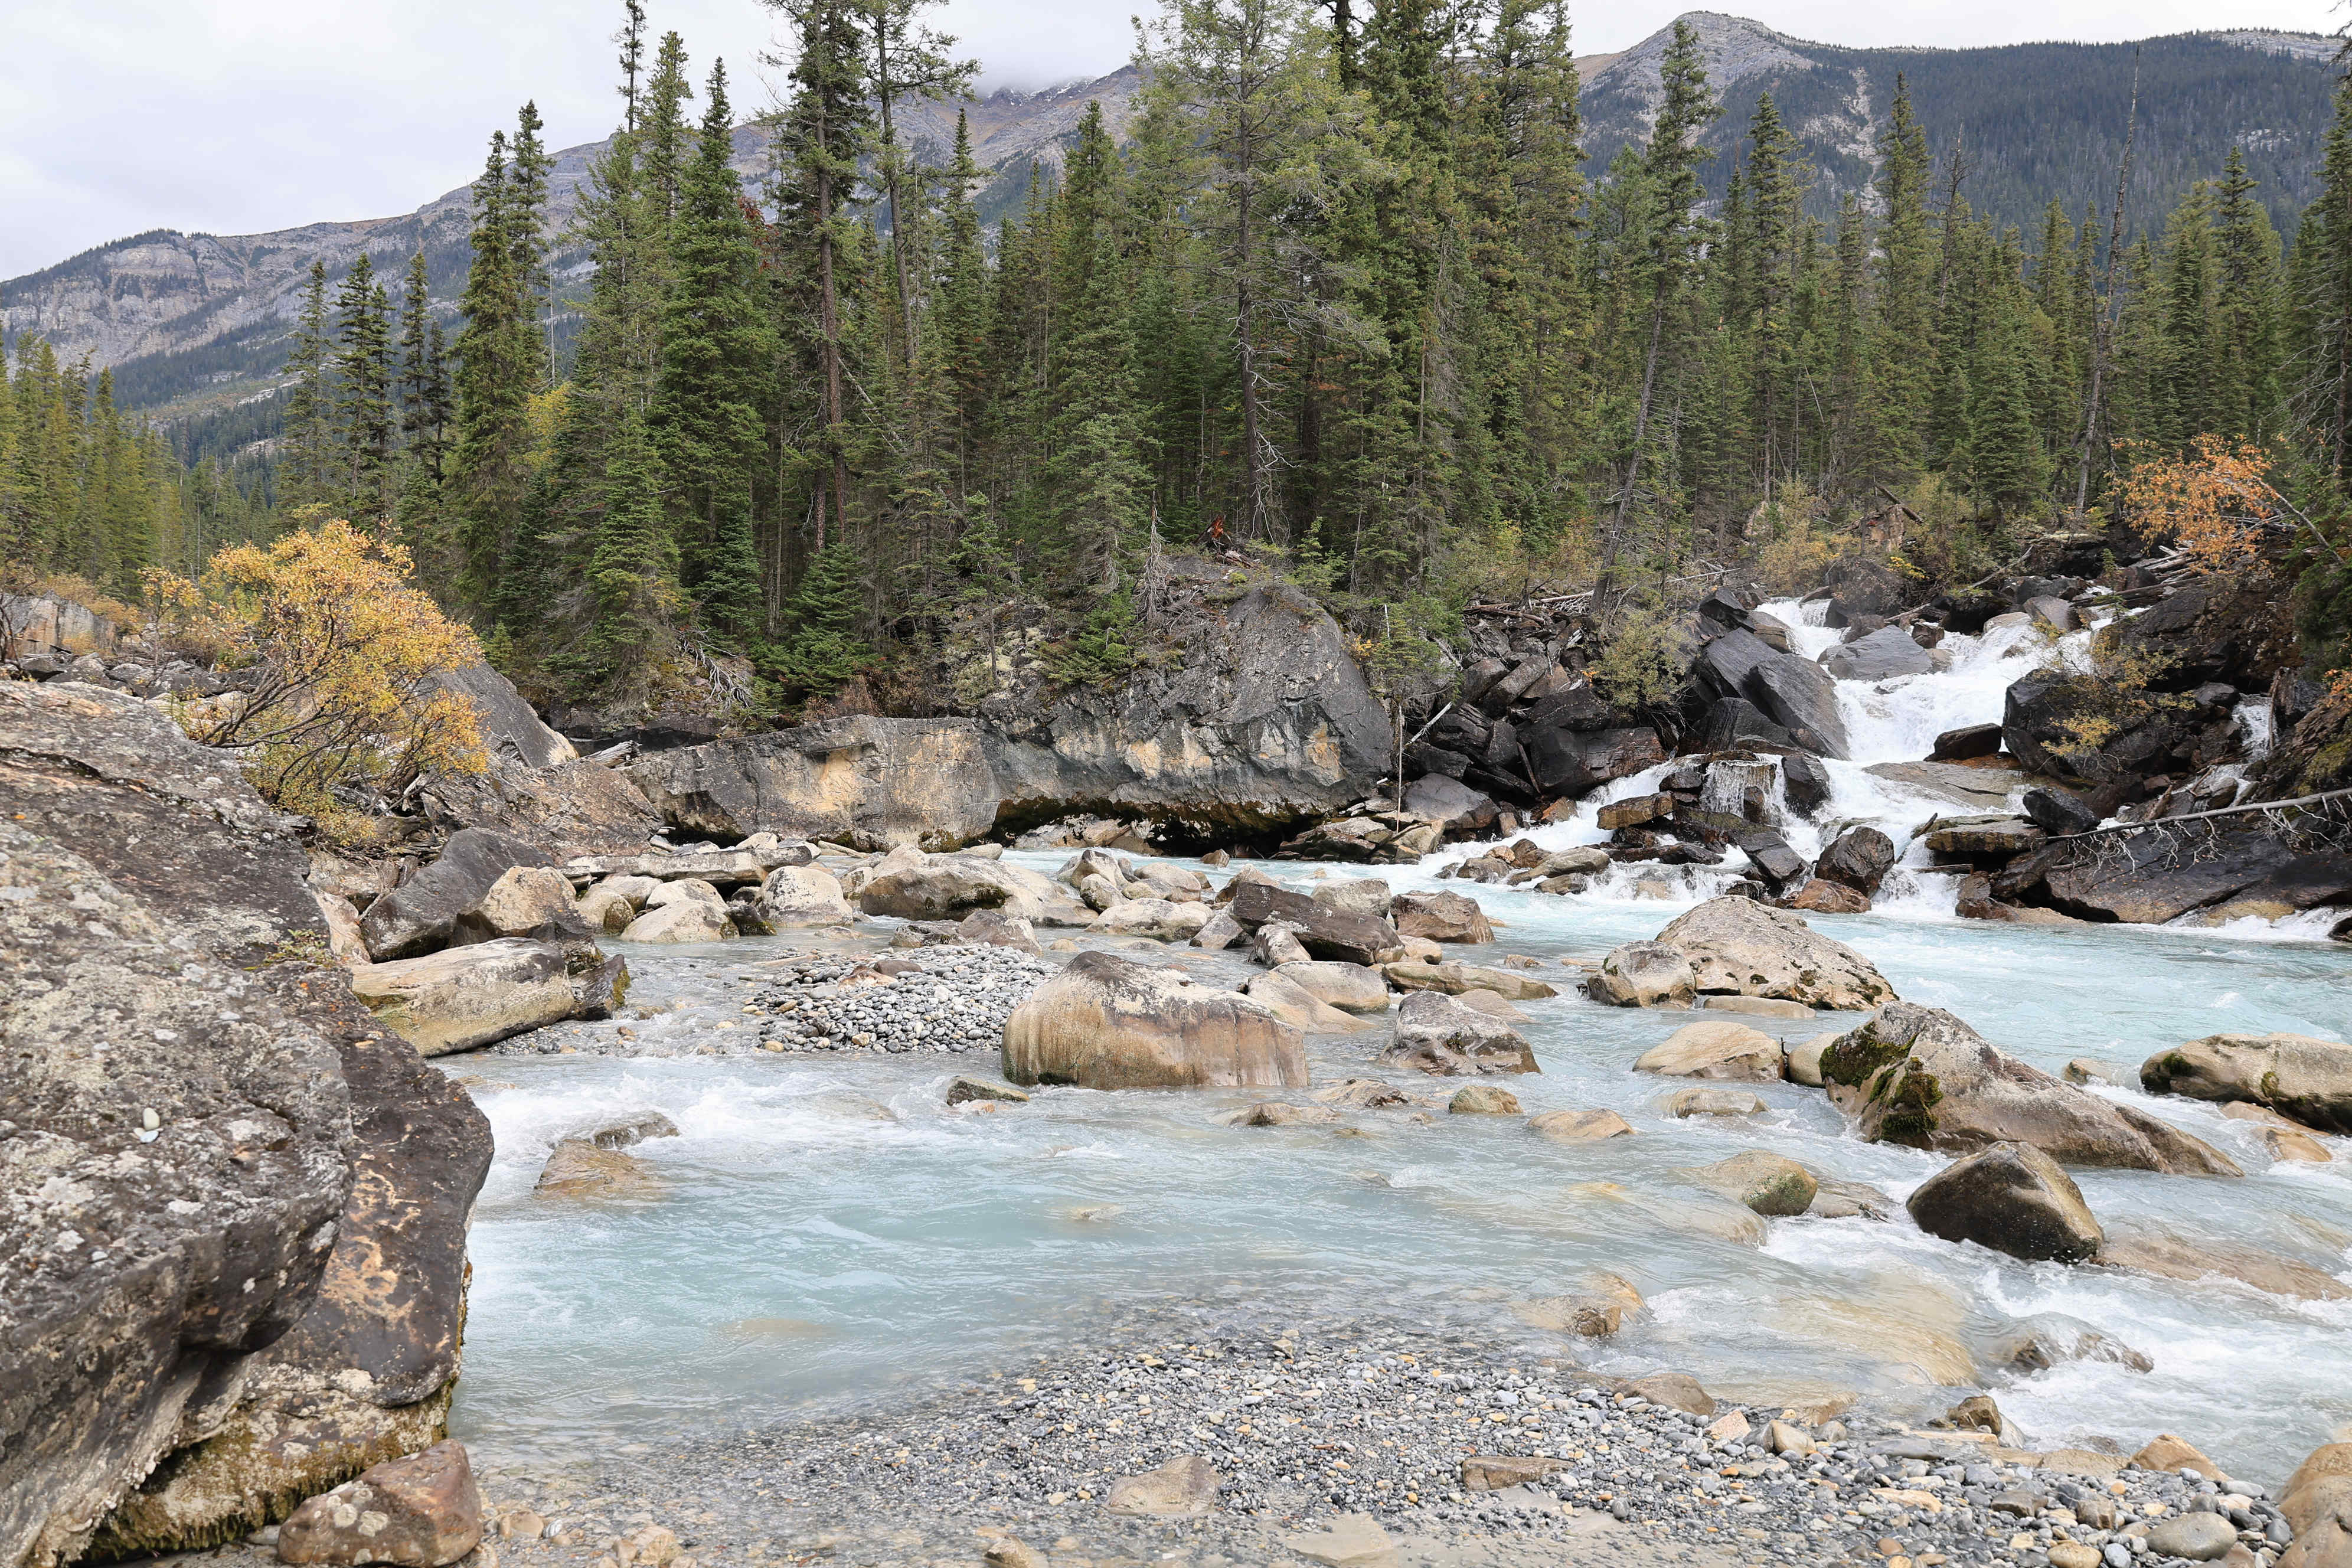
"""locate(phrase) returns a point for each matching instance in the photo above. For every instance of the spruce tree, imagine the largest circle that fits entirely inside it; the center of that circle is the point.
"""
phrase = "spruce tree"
(305, 476)
(363, 365)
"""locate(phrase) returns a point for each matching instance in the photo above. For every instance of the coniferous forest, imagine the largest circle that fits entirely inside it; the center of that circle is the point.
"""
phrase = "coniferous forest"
(1344, 294)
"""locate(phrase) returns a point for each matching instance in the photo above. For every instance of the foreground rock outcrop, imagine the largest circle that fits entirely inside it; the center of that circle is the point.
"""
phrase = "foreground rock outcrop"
(1108, 1023)
(231, 1206)
(1921, 1077)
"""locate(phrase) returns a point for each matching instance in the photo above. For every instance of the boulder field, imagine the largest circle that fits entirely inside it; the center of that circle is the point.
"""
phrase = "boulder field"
(233, 1207)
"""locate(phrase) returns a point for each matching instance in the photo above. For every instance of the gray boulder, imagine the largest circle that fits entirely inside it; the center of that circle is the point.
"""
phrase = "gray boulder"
(1739, 947)
(912, 884)
(1643, 974)
(467, 996)
(1435, 1034)
(509, 727)
(1880, 656)
(1920, 1076)
(2013, 1198)
(1793, 693)
(1324, 932)
(425, 912)
(1859, 857)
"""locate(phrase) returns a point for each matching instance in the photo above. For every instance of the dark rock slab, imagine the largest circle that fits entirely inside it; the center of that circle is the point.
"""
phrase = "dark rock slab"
(425, 912)
(1966, 743)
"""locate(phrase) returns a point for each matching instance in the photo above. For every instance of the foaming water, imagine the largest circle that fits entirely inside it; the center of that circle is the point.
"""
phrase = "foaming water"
(831, 1235)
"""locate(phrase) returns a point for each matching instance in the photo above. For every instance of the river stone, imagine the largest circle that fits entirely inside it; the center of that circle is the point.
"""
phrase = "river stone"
(1276, 946)
(793, 897)
(1483, 1100)
(1579, 1126)
(2318, 1506)
(467, 996)
(1108, 1023)
(1966, 743)
(1183, 1485)
(422, 1512)
(1727, 1051)
(580, 1168)
(1825, 897)
(682, 919)
(1351, 988)
(1366, 896)
(1859, 857)
(719, 867)
(2306, 1079)
(914, 885)
(2058, 811)
(1795, 693)
(1756, 1006)
(1920, 1076)
(1440, 917)
(532, 901)
(1850, 1200)
(1999, 838)
(1323, 931)
(1277, 1113)
(1596, 1311)
(2170, 1255)
(1675, 1391)
(1770, 1184)
(1882, 655)
(2012, 1198)
(1437, 1034)
(423, 913)
(1220, 932)
(605, 911)
(1495, 1472)
(1492, 1004)
(1456, 978)
(1159, 919)
(1643, 974)
(1739, 946)
(1685, 1103)
(1802, 1063)
(1298, 1007)
(2199, 1537)
(963, 1091)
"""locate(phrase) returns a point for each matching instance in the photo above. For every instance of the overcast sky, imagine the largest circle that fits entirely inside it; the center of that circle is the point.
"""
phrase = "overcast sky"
(237, 116)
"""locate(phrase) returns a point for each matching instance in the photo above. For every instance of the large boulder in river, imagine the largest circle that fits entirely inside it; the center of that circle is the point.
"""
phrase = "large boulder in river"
(425, 912)
(2011, 1197)
(793, 897)
(1265, 723)
(229, 1201)
(1726, 1051)
(1643, 974)
(2298, 1075)
(1882, 655)
(467, 996)
(1859, 859)
(1106, 1023)
(923, 782)
(914, 885)
(2160, 874)
(1435, 1034)
(2317, 1505)
(1323, 931)
(1741, 948)
(1440, 917)
(1920, 1076)
(1795, 693)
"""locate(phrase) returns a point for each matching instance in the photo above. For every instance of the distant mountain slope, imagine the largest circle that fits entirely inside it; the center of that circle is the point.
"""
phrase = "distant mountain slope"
(2034, 121)
(197, 326)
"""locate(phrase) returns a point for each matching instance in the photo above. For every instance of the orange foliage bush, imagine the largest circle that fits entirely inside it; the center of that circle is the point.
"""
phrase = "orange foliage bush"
(2216, 505)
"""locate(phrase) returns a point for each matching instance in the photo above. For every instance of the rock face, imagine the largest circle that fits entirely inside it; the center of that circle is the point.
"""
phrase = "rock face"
(1435, 1034)
(2013, 1198)
(2307, 1079)
(874, 781)
(1920, 1076)
(1106, 1023)
(1643, 974)
(1266, 722)
(467, 996)
(1739, 947)
(294, 1145)
(422, 1512)
(572, 808)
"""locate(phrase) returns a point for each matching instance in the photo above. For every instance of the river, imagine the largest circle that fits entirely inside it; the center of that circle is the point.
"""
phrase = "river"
(807, 1258)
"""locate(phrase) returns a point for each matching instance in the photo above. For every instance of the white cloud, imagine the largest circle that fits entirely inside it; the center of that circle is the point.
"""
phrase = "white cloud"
(235, 116)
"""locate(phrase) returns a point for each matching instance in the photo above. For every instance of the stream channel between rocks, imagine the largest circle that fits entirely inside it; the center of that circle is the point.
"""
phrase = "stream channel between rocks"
(809, 1256)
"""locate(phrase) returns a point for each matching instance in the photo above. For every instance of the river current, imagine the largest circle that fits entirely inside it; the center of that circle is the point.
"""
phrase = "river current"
(807, 1256)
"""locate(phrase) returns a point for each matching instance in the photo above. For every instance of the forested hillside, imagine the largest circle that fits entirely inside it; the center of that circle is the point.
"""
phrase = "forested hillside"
(1353, 302)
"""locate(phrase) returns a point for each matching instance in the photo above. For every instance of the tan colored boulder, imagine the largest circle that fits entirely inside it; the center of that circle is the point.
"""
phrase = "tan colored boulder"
(1106, 1023)
(422, 1511)
(796, 896)
(342, 922)
(1483, 1100)
(2166, 1452)
(580, 1168)
(2317, 1505)
(1643, 974)
(1440, 917)
(1739, 947)
(1276, 946)
(1294, 1005)
(1821, 897)
(1219, 932)
(2012, 1198)
(1725, 1051)
(1456, 978)
(526, 900)
(1437, 1034)
(1351, 988)
(1756, 1006)
(681, 919)
(1596, 1311)
(605, 911)
(466, 996)
(2171, 1255)
(1159, 919)
(1770, 1184)
(1579, 1126)
(1366, 896)
(1920, 1077)
(1493, 1006)
(1803, 1061)
(1685, 1103)
(2307, 1079)
(914, 885)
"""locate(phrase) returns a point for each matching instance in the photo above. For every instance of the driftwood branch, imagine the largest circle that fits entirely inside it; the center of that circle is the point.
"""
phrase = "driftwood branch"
(2204, 816)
